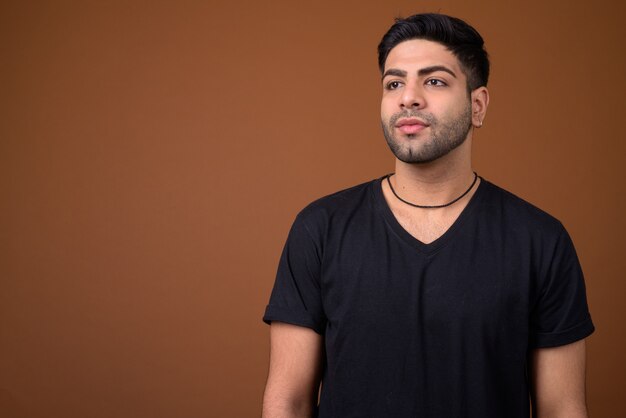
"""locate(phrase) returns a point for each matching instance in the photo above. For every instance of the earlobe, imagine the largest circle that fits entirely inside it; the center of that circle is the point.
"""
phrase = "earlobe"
(480, 101)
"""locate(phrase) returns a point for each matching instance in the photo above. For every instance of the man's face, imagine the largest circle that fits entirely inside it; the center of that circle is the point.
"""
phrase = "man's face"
(426, 109)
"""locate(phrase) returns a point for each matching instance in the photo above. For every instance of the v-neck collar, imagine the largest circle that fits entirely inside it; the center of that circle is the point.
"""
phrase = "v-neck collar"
(430, 248)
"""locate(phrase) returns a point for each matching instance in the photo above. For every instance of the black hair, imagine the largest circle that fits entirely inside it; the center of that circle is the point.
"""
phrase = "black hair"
(462, 40)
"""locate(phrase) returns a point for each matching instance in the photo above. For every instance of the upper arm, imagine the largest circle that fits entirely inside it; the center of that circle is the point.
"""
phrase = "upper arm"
(558, 381)
(295, 369)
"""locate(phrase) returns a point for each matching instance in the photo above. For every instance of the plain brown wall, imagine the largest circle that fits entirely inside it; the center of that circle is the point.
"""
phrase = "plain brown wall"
(153, 155)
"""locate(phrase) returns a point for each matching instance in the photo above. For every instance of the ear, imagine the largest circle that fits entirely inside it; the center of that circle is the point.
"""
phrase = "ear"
(480, 101)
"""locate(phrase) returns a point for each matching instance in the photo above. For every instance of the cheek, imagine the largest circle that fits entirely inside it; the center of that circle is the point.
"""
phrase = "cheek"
(448, 113)
(385, 117)
(386, 108)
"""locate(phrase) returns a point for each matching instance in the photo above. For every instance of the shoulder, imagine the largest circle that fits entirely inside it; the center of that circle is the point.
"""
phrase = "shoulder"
(339, 204)
(518, 214)
(329, 215)
(531, 233)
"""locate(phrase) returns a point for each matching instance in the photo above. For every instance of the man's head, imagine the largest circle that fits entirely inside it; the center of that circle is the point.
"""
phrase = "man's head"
(462, 40)
(434, 74)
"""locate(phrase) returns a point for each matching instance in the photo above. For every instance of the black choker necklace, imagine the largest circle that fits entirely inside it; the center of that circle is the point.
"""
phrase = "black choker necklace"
(434, 206)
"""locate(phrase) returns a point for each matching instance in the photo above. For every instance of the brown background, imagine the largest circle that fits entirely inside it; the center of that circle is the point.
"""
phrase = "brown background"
(153, 155)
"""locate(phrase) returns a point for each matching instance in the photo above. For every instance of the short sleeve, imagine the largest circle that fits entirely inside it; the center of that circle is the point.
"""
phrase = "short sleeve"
(560, 315)
(296, 296)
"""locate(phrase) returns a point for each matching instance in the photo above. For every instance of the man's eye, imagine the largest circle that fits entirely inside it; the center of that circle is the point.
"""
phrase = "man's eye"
(392, 85)
(435, 82)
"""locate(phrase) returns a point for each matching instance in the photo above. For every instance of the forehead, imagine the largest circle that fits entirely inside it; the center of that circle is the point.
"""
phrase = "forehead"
(419, 53)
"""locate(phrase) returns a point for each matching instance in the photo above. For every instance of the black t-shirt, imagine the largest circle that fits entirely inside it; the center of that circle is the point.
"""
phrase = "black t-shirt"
(429, 330)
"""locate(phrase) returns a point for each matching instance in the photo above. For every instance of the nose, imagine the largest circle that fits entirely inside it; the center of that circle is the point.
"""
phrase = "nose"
(412, 97)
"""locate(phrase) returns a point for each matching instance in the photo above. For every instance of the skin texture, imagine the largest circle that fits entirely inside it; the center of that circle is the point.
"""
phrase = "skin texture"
(558, 381)
(295, 371)
(433, 166)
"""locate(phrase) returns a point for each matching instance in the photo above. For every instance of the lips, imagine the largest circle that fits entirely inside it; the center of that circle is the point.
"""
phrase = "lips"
(410, 125)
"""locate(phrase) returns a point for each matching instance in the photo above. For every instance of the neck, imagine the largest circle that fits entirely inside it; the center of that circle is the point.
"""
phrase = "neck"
(436, 182)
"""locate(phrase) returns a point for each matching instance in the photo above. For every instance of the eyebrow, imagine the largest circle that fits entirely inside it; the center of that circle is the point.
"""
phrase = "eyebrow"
(394, 71)
(435, 68)
(422, 72)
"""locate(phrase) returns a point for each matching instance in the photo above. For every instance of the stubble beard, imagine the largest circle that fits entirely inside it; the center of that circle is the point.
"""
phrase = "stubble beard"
(444, 136)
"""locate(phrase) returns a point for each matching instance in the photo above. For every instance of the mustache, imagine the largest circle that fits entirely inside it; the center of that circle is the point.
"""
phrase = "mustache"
(426, 117)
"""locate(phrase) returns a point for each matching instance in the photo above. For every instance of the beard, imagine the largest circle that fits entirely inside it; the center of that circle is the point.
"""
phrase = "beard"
(445, 136)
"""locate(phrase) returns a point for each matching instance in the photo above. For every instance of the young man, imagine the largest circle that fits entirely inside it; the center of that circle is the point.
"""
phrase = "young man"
(430, 292)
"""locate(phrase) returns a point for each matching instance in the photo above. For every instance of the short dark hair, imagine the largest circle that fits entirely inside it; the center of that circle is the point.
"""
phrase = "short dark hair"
(457, 36)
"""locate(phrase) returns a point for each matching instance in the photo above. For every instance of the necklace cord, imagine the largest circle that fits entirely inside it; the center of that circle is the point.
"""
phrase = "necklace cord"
(433, 206)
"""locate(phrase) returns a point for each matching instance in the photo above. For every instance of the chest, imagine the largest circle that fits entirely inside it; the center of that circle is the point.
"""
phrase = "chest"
(393, 289)
(425, 225)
